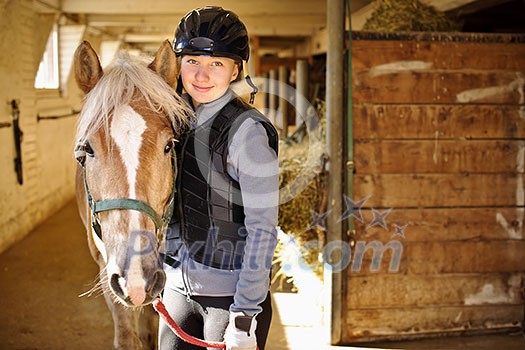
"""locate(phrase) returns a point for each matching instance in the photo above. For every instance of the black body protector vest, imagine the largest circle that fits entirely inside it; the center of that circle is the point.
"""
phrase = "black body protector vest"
(210, 206)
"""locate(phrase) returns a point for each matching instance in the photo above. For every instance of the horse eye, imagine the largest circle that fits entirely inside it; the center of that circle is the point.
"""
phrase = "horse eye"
(169, 146)
(89, 150)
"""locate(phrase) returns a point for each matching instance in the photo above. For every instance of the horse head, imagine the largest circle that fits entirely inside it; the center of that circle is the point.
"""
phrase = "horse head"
(126, 133)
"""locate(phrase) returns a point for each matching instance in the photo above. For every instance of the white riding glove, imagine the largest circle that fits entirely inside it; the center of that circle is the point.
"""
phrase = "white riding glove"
(240, 333)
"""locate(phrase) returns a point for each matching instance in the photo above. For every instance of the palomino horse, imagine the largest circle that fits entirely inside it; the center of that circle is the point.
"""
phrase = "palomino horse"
(125, 180)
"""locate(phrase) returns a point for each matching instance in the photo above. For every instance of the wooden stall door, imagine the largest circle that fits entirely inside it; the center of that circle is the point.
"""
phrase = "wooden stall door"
(439, 139)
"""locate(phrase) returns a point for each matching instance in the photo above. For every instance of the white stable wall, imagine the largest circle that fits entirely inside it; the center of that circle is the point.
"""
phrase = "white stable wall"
(47, 148)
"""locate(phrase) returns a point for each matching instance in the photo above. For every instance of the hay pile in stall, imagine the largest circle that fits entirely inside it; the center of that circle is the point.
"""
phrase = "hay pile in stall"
(303, 194)
(409, 16)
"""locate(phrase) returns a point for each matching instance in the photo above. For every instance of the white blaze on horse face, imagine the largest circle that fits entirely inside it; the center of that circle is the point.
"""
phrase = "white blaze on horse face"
(127, 128)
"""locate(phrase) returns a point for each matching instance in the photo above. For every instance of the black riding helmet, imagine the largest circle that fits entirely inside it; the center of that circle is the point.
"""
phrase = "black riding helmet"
(214, 31)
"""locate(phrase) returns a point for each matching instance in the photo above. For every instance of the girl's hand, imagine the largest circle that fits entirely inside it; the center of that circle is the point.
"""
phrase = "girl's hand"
(240, 333)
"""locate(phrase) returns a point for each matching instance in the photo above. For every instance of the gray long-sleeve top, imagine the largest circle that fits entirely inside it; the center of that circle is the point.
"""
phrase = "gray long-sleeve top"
(254, 165)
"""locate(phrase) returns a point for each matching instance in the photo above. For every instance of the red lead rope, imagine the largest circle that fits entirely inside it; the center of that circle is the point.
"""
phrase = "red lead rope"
(161, 309)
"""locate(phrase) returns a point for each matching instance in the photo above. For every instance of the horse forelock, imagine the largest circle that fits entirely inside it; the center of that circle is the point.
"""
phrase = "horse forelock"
(118, 86)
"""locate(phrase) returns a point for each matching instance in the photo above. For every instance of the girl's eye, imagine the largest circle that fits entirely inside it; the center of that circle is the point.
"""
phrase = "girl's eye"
(192, 61)
(216, 63)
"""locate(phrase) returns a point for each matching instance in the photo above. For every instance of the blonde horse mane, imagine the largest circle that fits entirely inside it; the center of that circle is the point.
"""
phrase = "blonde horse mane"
(116, 88)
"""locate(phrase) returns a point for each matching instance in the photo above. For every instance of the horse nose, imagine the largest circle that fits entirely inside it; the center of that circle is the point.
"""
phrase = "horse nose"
(129, 292)
(115, 285)
(137, 294)
(157, 283)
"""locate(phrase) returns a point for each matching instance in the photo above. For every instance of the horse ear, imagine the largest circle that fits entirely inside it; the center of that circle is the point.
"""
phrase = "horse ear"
(87, 67)
(165, 63)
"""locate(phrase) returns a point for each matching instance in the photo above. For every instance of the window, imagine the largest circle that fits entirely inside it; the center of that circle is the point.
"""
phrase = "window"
(47, 76)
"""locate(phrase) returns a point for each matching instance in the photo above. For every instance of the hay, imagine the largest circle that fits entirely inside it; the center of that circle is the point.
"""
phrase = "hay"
(302, 180)
(409, 16)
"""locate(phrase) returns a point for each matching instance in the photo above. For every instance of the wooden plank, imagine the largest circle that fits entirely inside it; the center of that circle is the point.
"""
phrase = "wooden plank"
(430, 258)
(442, 224)
(486, 38)
(396, 290)
(495, 87)
(437, 190)
(366, 257)
(374, 323)
(465, 257)
(444, 121)
(367, 54)
(437, 156)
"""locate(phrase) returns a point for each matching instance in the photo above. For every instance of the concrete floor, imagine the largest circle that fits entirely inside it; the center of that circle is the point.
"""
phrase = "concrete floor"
(42, 277)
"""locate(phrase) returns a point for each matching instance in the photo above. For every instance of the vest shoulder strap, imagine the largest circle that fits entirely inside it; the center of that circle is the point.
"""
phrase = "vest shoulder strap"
(229, 119)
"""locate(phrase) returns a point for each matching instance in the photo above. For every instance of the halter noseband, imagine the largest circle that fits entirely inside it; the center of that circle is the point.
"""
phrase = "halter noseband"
(127, 203)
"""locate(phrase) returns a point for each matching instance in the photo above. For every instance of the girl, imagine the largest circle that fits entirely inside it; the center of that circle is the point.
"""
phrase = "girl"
(219, 250)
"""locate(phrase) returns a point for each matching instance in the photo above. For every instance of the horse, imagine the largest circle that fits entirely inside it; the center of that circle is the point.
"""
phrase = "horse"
(125, 180)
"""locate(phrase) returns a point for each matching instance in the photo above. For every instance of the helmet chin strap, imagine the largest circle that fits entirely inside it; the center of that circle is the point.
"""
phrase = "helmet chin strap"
(249, 81)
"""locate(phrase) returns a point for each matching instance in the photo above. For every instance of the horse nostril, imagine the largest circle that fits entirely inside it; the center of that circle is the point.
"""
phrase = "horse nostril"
(157, 283)
(115, 285)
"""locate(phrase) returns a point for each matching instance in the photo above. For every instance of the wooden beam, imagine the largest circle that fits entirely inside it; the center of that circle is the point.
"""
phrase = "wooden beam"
(108, 20)
(147, 38)
(283, 100)
(301, 92)
(476, 6)
(275, 25)
(335, 279)
(255, 59)
(273, 97)
(360, 17)
(172, 19)
(242, 8)
(46, 6)
(447, 5)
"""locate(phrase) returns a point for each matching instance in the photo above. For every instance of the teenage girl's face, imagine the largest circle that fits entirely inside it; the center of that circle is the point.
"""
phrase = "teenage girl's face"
(206, 78)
